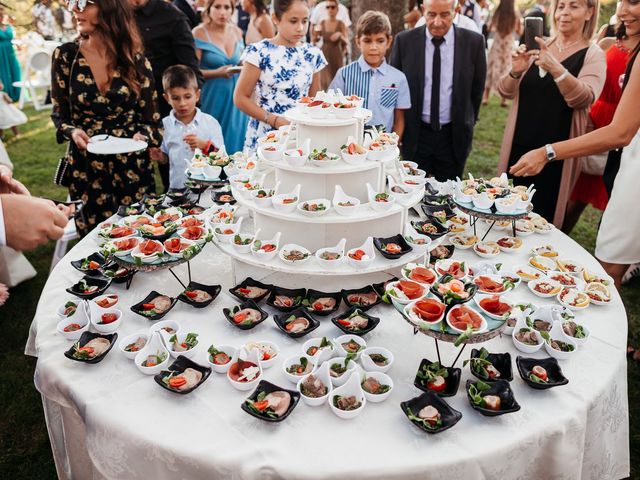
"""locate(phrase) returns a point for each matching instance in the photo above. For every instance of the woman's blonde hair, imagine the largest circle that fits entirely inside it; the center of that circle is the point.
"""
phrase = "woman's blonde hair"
(590, 26)
(206, 18)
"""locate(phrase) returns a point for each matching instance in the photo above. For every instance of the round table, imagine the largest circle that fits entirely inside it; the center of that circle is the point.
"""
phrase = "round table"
(109, 421)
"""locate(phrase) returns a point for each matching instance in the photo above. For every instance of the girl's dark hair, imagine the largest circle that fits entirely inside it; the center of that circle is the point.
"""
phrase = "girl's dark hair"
(260, 6)
(620, 31)
(281, 6)
(117, 26)
(504, 17)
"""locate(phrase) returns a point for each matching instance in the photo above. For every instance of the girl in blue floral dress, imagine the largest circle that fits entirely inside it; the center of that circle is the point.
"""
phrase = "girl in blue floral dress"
(280, 71)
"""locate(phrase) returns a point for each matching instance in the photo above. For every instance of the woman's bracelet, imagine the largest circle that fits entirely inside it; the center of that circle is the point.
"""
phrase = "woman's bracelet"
(561, 77)
(514, 76)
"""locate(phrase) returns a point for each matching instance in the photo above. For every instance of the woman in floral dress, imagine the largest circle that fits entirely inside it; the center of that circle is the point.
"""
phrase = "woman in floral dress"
(504, 23)
(280, 70)
(102, 84)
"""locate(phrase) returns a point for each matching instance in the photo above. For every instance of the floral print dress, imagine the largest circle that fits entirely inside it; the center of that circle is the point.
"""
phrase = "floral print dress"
(103, 182)
(287, 73)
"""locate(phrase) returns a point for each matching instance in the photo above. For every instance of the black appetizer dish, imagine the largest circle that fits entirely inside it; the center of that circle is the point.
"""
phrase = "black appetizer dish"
(133, 209)
(177, 194)
(381, 288)
(195, 188)
(183, 376)
(540, 373)
(117, 273)
(91, 347)
(223, 198)
(199, 295)
(491, 399)
(441, 213)
(433, 377)
(155, 306)
(363, 298)
(322, 303)
(441, 252)
(437, 200)
(245, 316)
(152, 200)
(490, 366)
(194, 210)
(286, 299)
(355, 321)
(89, 287)
(251, 289)
(270, 403)
(392, 247)
(90, 265)
(297, 323)
(431, 228)
(430, 413)
(449, 297)
(159, 233)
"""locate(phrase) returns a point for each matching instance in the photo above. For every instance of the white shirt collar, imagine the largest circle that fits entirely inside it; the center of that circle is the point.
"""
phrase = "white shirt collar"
(448, 37)
(197, 119)
(365, 67)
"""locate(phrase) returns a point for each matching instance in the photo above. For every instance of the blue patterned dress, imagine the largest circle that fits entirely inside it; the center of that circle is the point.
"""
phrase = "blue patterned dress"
(287, 73)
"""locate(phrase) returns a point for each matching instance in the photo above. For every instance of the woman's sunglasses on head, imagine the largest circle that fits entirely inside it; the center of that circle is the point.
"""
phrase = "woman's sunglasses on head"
(80, 5)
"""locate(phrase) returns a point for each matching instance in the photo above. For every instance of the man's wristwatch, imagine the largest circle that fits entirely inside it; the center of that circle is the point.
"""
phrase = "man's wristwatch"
(551, 153)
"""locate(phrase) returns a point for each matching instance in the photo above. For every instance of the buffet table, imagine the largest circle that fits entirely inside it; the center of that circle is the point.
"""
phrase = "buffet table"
(109, 421)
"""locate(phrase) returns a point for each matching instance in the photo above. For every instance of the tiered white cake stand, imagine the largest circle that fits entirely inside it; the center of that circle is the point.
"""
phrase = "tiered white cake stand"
(315, 232)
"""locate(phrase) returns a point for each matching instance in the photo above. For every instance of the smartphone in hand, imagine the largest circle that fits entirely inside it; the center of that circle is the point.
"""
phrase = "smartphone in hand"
(532, 29)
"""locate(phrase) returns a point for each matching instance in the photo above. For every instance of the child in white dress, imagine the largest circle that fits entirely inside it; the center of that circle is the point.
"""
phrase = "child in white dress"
(10, 115)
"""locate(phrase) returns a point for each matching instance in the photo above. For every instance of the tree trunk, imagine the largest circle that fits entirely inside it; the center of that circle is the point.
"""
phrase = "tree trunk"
(396, 9)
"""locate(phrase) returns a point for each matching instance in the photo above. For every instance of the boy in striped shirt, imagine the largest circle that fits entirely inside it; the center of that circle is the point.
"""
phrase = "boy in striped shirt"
(383, 87)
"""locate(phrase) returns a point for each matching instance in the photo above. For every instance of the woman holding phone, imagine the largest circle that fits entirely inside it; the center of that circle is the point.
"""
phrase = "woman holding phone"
(218, 47)
(553, 88)
(617, 244)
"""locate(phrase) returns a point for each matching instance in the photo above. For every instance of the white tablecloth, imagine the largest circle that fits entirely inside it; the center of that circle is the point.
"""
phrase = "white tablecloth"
(110, 421)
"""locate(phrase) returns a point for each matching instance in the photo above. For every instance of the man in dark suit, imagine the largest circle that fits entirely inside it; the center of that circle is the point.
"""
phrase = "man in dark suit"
(446, 68)
(190, 9)
(167, 41)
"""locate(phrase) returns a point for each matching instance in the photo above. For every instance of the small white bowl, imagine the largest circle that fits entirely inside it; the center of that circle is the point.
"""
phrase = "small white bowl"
(252, 357)
(400, 302)
(355, 158)
(136, 253)
(62, 308)
(523, 347)
(322, 373)
(317, 213)
(483, 325)
(331, 161)
(321, 355)
(109, 327)
(409, 313)
(243, 248)
(296, 360)
(266, 256)
(384, 379)
(552, 352)
(211, 172)
(264, 347)
(159, 326)
(279, 205)
(342, 379)
(413, 237)
(544, 264)
(557, 287)
(229, 350)
(486, 245)
(482, 201)
(478, 298)
(463, 241)
(329, 263)
(528, 269)
(131, 339)
(263, 202)
(370, 366)
(155, 346)
(347, 338)
(382, 206)
(565, 265)
(410, 267)
(295, 157)
(579, 341)
(344, 112)
(350, 388)
(180, 337)
(292, 246)
(271, 152)
(507, 205)
(524, 228)
(367, 259)
(573, 291)
(347, 210)
(83, 322)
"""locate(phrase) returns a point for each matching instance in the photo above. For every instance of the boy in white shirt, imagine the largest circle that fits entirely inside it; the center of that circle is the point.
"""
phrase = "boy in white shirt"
(186, 127)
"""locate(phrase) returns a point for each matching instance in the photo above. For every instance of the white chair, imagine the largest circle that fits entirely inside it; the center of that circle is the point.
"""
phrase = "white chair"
(36, 75)
(62, 243)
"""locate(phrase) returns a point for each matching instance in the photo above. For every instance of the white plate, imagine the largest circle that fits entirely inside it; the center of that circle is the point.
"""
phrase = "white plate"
(108, 145)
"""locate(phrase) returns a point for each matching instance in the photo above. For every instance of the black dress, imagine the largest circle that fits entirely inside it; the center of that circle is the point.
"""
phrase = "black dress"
(103, 182)
(543, 117)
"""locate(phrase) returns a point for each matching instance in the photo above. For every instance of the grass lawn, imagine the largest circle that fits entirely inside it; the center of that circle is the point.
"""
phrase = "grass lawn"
(24, 444)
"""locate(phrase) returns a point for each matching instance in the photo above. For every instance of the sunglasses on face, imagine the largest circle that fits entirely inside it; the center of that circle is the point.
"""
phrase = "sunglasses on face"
(80, 5)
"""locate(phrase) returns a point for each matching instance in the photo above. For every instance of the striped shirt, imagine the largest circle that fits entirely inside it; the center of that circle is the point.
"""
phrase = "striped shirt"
(384, 89)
